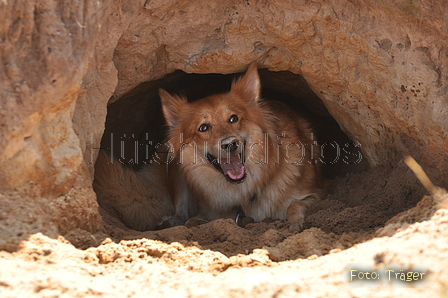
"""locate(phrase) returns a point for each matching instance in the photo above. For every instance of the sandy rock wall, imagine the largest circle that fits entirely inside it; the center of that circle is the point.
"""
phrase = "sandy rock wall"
(380, 68)
(45, 50)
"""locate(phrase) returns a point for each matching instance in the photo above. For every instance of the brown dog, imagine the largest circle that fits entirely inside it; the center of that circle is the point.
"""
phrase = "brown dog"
(238, 152)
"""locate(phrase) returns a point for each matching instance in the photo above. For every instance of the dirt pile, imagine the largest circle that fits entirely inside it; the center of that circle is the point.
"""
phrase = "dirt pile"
(44, 267)
(222, 258)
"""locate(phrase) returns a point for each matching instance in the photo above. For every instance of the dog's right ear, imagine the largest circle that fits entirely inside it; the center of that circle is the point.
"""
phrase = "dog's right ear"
(171, 106)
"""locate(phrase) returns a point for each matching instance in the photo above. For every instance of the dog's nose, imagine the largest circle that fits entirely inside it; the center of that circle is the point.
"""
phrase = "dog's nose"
(230, 144)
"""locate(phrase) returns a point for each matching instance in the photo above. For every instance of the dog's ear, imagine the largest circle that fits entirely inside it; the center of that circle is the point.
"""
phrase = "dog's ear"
(248, 86)
(171, 106)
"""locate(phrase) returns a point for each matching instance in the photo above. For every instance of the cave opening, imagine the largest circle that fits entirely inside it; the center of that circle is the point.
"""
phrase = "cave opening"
(360, 201)
(135, 124)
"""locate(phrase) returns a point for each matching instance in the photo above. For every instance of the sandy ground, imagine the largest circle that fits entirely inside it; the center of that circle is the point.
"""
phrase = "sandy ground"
(379, 223)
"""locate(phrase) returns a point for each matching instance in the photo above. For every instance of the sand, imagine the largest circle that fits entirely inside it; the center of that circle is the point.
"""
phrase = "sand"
(380, 222)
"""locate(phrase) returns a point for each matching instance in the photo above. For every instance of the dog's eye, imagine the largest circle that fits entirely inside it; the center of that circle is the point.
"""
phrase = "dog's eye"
(203, 127)
(233, 119)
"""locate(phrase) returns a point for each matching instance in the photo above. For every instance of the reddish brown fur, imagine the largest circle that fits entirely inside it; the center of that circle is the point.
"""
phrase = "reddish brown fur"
(273, 187)
(138, 198)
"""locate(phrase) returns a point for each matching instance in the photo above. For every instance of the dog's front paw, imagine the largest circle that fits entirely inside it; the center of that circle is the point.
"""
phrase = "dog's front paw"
(168, 222)
(194, 222)
(296, 225)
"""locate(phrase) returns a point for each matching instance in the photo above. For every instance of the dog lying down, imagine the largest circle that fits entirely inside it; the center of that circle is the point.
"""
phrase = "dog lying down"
(232, 154)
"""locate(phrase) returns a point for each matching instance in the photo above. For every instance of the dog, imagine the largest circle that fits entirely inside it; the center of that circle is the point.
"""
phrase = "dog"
(243, 155)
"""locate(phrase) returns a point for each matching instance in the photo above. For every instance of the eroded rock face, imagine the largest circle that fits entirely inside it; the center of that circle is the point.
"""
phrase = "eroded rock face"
(45, 50)
(380, 69)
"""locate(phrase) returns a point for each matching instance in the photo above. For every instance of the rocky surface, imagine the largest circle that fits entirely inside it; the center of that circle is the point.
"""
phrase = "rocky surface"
(380, 68)
(45, 51)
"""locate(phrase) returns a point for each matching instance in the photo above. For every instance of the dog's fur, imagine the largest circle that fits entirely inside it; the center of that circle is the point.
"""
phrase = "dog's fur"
(142, 199)
(234, 154)
(238, 152)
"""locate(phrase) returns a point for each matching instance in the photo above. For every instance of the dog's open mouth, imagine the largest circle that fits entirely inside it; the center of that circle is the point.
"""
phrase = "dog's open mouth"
(232, 167)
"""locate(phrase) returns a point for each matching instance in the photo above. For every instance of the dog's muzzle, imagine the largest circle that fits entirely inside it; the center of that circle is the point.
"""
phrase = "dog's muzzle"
(231, 160)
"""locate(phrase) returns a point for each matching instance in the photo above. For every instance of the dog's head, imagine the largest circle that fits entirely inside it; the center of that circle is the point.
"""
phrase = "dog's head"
(220, 130)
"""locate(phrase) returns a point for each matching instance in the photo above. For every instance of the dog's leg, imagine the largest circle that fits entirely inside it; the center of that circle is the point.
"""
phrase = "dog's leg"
(195, 221)
(296, 212)
(183, 200)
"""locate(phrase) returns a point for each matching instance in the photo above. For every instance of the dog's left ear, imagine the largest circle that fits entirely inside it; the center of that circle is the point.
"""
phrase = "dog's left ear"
(248, 86)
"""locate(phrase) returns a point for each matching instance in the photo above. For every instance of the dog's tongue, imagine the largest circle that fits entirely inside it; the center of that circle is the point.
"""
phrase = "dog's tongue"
(233, 167)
